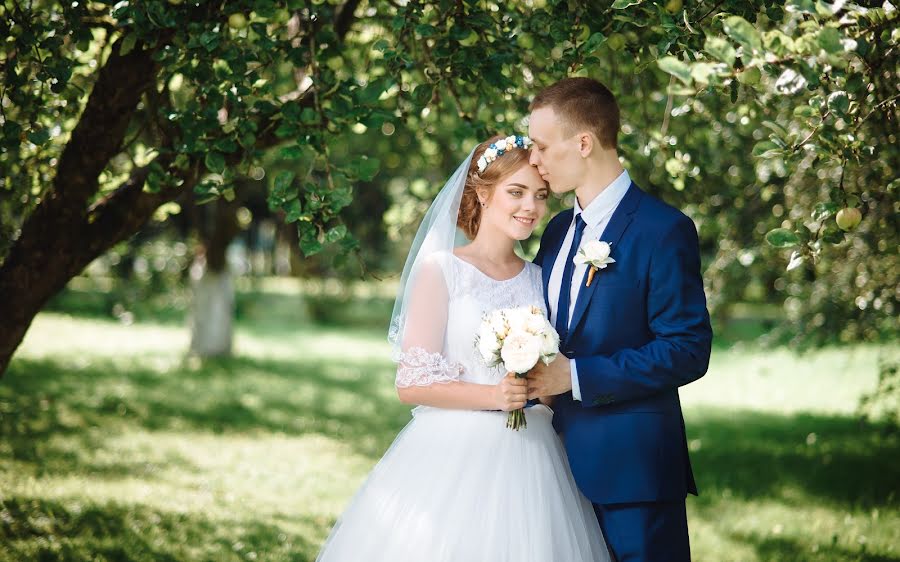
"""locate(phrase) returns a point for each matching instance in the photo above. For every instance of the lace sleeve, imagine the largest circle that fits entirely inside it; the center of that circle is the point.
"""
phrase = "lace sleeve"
(419, 367)
(420, 359)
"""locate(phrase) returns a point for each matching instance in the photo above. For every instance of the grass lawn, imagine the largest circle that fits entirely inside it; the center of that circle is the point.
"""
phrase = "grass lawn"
(115, 447)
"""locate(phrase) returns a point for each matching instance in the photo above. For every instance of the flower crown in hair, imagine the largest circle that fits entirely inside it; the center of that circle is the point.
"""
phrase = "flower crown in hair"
(498, 148)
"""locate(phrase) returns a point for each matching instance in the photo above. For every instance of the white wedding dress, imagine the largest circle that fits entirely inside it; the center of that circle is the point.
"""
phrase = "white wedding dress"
(457, 485)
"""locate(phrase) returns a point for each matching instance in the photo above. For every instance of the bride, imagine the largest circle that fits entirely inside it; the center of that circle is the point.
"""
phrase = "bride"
(457, 485)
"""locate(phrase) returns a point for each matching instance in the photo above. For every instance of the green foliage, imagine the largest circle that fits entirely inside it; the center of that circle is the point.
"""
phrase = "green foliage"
(751, 116)
(884, 401)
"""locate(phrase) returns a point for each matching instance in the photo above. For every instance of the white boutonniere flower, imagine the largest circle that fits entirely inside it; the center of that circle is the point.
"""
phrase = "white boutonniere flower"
(596, 254)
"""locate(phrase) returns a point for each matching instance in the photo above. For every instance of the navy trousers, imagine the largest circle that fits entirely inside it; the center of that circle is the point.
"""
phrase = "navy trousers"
(645, 532)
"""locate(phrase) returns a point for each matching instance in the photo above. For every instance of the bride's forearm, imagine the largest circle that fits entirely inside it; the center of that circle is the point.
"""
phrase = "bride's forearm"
(452, 395)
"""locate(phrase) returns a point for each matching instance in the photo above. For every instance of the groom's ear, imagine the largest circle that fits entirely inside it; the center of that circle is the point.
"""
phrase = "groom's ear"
(586, 144)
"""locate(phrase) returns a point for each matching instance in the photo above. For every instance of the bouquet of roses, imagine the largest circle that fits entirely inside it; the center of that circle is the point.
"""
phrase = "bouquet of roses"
(517, 338)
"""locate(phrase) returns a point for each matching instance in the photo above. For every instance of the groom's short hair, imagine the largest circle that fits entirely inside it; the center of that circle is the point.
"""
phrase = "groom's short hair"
(583, 104)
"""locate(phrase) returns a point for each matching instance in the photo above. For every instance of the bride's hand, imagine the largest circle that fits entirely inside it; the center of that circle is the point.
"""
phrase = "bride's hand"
(511, 393)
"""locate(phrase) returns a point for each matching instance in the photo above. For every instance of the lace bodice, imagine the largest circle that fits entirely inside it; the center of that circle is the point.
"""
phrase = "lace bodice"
(439, 338)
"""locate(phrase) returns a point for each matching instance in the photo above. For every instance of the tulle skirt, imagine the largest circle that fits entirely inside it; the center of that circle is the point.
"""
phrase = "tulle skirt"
(458, 486)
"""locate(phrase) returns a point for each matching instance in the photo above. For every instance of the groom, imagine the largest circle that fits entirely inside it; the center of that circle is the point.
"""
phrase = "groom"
(630, 335)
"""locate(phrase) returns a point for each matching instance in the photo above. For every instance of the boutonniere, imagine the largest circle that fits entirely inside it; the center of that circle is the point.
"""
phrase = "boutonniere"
(596, 254)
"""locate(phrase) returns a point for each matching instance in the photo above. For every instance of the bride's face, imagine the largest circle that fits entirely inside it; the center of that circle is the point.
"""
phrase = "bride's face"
(518, 203)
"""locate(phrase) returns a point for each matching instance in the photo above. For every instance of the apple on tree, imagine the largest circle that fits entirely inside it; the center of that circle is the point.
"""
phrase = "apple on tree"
(848, 217)
(237, 20)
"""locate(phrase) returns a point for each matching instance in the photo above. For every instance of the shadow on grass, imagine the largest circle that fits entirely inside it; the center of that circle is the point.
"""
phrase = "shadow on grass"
(753, 455)
(779, 549)
(38, 529)
(747, 454)
(266, 310)
(351, 402)
(54, 414)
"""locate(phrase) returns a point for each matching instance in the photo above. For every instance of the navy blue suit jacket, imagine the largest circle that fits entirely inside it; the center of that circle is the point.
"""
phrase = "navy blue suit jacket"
(637, 333)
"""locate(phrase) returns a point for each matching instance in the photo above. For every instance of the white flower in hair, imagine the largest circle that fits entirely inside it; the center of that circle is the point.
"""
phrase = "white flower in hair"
(500, 147)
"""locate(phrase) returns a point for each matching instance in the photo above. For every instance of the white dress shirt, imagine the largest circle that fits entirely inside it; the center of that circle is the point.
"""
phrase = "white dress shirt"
(596, 216)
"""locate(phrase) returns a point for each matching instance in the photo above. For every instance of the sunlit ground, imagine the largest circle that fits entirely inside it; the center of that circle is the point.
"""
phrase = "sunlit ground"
(115, 447)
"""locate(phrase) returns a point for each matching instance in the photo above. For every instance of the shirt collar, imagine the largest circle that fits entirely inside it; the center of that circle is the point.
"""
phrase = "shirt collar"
(604, 204)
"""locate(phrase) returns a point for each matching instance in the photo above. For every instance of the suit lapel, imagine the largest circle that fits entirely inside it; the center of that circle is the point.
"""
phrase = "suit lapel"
(550, 260)
(619, 221)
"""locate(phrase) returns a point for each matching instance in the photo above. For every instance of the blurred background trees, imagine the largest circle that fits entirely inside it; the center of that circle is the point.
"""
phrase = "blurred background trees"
(150, 145)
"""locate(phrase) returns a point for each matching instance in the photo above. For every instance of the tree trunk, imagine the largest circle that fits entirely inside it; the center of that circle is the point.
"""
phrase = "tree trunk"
(63, 235)
(66, 231)
(213, 306)
(213, 310)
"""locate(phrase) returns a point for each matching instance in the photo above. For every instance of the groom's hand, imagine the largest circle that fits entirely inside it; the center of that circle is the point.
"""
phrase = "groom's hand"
(550, 380)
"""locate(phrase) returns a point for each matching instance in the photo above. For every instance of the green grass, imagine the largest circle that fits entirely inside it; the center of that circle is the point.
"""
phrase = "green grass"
(114, 446)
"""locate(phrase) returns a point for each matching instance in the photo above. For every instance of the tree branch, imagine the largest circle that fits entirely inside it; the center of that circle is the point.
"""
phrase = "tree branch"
(345, 18)
(103, 124)
(124, 211)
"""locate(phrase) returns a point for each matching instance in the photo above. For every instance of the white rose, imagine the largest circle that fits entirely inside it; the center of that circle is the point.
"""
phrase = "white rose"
(490, 153)
(595, 253)
(534, 323)
(596, 249)
(500, 144)
(549, 343)
(517, 318)
(520, 352)
(489, 348)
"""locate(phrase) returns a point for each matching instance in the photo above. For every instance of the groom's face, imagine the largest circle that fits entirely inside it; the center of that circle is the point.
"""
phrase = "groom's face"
(556, 153)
